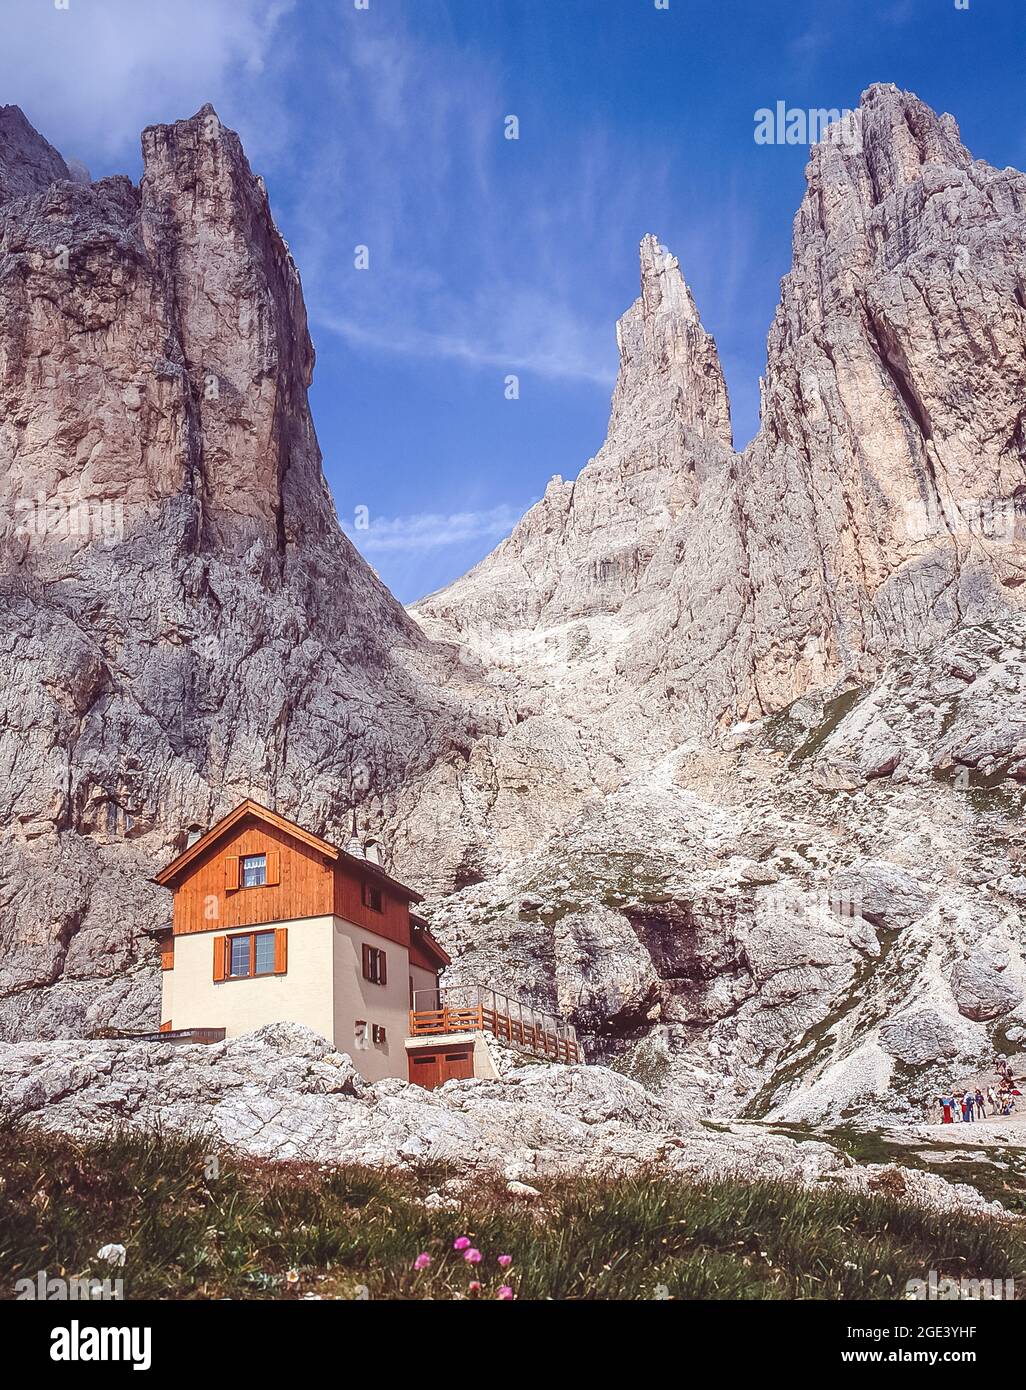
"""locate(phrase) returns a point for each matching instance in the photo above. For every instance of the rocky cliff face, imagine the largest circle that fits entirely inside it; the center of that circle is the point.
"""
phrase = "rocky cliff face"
(889, 470)
(792, 880)
(880, 505)
(183, 622)
(720, 754)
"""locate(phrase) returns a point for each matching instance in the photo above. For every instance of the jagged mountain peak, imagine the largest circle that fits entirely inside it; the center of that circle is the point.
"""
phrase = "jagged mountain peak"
(663, 287)
(28, 163)
(585, 549)
(666, 354)
(878, 507)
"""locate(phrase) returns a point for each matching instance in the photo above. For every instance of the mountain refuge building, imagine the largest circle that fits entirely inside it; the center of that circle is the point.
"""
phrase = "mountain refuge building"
(271, 923)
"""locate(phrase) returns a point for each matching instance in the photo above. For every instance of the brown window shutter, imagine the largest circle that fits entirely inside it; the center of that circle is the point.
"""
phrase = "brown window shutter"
(167, 954)
(220, 951)
(273, 868)
(366, 961)
(231, 872)
(281, 950)
(382, 969)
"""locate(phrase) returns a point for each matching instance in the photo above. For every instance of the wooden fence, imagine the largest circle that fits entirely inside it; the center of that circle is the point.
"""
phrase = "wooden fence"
(477, 1009)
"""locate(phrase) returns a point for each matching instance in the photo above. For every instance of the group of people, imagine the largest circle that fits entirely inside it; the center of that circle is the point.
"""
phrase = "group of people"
(966, 1107)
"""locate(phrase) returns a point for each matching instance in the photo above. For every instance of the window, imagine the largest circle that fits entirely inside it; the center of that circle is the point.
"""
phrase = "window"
(374, 966)
(254, 870)
(372, 897)
(263, 963)
(251, 953)
(238, 963)
(380, 1034)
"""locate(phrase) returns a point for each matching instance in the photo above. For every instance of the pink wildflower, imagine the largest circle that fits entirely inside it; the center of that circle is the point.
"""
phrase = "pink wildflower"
(422, 1261)
(505, 1293)
(474, 1286)
(505, 1261)
(460, 1243)
(472, 1256)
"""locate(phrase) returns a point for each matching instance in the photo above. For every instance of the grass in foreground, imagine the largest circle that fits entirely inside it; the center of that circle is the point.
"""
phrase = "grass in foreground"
(263, 1230)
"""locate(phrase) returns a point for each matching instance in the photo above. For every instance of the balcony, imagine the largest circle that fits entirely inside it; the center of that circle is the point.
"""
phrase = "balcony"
(475, 1008)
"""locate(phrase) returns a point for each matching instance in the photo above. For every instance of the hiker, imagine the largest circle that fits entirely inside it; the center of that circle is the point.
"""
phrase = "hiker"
(992, 1098)
(947, 1104)
(981, 1109)
(970, 1102)
(963, 1101)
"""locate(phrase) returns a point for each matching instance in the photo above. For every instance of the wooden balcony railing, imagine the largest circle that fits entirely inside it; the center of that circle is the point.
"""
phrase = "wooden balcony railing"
(474, 1008)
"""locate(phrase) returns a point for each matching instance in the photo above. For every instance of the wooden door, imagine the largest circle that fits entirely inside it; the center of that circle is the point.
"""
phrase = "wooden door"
(456, 1065)
(431, 1068)
(424, 1069)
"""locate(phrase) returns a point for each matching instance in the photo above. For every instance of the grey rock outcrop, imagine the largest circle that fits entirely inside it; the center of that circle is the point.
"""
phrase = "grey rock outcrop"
(284, 1093)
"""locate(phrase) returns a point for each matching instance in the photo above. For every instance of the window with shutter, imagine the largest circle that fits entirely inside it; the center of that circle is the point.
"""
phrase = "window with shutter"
(371, 897)
(375, 968)
(273, 868)
(249, 954)
(254, 870)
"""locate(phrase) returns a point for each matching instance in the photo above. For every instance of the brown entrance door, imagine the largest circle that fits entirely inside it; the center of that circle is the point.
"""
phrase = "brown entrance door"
(424, 1069)
(432, 1068)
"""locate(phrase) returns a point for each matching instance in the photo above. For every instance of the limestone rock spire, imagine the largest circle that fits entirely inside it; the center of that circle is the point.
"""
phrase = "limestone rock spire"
(666, 355)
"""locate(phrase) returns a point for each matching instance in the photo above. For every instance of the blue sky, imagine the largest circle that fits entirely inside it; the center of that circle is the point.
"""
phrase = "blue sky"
(384, 127)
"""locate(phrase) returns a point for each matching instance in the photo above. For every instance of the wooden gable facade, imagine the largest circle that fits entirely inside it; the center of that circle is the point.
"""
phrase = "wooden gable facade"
(305, 877)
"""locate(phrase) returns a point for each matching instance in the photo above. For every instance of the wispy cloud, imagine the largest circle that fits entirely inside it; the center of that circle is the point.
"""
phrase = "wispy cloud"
(558, 348)
(92, 75)
(484, 251)
(425, 531)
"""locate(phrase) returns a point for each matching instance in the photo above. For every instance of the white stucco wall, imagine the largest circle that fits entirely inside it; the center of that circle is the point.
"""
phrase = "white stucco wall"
(424, 980)
(356, 998)
(301, 995)
(323, 988)
(167, 996)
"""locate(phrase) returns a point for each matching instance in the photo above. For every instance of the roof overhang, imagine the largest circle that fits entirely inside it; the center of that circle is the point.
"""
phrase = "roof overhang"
(175, 871)
(248, 809)
(421, 939)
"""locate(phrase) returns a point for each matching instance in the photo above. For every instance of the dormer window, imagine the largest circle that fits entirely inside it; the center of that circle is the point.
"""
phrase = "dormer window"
(254, 870)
